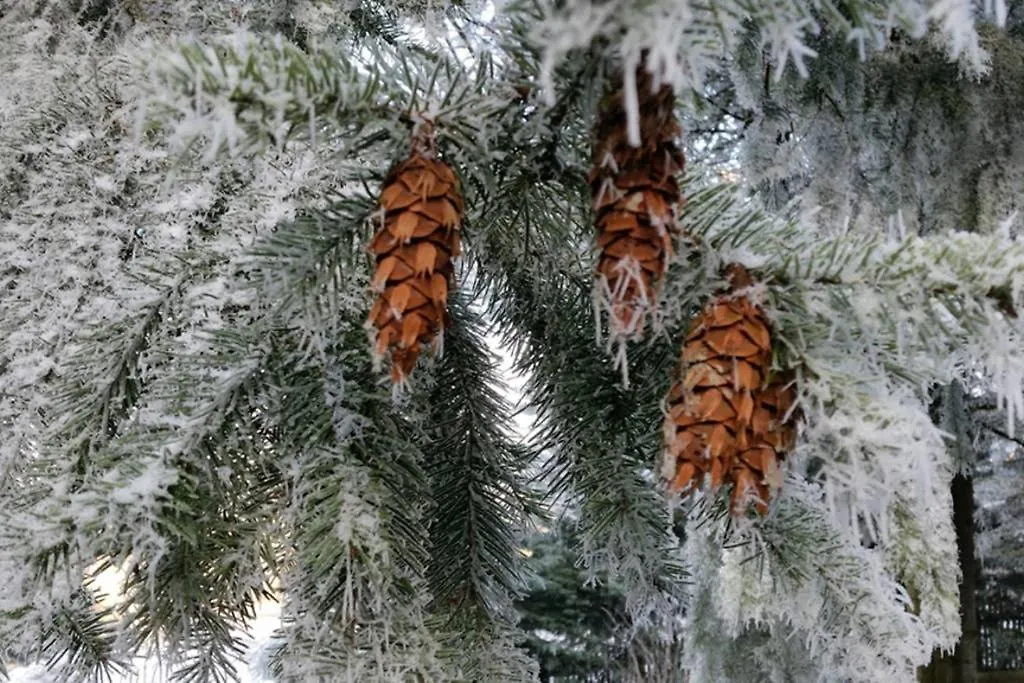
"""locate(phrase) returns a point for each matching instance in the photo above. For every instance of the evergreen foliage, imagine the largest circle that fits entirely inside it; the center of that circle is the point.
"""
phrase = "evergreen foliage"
(579, 630)
(570, 626)
(188, 399)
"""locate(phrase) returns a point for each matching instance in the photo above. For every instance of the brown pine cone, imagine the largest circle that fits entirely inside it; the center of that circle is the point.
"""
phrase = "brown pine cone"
(724, 415)
(636, 197)
(416, 238)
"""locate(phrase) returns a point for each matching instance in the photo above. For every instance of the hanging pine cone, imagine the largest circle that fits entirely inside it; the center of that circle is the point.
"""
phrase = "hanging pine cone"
(417, 236)
(635, 196)
(723, 421)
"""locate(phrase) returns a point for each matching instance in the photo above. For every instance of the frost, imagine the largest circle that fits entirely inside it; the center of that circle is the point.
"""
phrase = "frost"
(685, 41)
(105, 183)
(845, 618)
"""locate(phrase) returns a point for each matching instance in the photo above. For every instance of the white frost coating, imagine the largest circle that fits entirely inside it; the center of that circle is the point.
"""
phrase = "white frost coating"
(144, 488)
(955, 19)
(97, 219)
(386, 625)
(788, 47)
(802, 603)
(878, 321)
(848, 577)
(684, 40)
(1000, 350)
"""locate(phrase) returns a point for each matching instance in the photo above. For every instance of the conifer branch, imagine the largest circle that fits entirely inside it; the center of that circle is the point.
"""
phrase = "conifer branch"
(92, 403)
(102, 385)
(190, 521)
(357, 498)
(80, 640)
(476, 473)
(245, 95)
(1002, 434)
(342, 408)
(313, 268)
(701, 34)
(254, 453)
(214, 657)
(600, 438)
(955, 284)
(248, 93)
(796, 548)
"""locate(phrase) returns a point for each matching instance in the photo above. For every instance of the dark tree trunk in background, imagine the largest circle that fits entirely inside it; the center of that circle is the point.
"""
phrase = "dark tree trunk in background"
(965, 657)
(939, 670)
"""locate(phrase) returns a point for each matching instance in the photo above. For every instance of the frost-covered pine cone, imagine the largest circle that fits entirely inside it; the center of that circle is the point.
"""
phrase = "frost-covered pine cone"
(723, 420)
(635, 198)
(417, 236)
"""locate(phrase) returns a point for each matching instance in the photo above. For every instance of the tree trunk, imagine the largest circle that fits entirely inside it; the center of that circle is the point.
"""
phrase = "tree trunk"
(965, 656)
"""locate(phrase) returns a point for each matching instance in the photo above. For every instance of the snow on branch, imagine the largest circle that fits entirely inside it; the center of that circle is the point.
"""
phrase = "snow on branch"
(840, 609)
(927, 302)
(685, 40)
(476, 471)
(76, 634)
(976, 266)
(871, 325)
(242, 94)
(927, 308)
(246, 92)
(314, 268)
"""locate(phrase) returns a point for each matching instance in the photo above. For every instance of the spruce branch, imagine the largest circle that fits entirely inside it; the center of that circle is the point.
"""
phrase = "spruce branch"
(601, 439)
(249, 92)
(870, 323)
(356, 512)
(686, 41)
(101, 384)
(106, 381)
(958, 285)
(344, 413)
(80, 640)
(799, 550)
(476, 475)
(196, 551)
(958, 265)
(1004, 435)
(214, 656)
(312, 269)
(315, 271)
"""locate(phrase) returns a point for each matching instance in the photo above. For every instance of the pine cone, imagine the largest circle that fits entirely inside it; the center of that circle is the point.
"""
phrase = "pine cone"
(417, 236)
(635, 195)
(722, 420)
